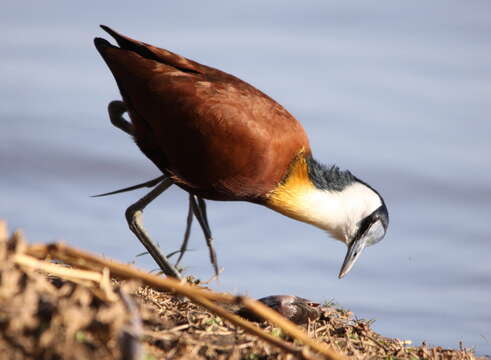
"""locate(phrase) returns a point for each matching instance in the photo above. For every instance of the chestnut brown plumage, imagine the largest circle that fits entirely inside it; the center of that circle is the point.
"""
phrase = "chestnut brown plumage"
(215, 135)
(219, 138)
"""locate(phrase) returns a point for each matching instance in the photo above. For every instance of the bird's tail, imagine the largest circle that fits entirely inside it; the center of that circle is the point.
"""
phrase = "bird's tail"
(149, 52)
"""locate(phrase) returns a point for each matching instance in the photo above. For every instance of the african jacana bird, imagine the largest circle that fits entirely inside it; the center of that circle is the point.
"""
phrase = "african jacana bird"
(219, 138)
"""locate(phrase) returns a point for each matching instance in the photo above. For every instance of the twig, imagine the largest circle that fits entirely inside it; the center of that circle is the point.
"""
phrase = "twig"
(61, 271)
(83, 277)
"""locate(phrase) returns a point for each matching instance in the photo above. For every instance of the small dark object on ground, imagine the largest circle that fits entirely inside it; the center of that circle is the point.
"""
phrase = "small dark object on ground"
(294, 308)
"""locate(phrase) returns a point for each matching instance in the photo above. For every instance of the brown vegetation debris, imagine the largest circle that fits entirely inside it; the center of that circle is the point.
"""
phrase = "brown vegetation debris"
(54, 311)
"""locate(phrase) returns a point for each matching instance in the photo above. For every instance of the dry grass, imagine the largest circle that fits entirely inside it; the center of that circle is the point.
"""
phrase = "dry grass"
(81, 313)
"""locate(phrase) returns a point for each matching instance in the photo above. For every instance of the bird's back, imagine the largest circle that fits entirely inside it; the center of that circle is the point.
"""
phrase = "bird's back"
(218, 136)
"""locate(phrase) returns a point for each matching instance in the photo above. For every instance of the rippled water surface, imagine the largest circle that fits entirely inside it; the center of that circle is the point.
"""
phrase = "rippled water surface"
(397, 92)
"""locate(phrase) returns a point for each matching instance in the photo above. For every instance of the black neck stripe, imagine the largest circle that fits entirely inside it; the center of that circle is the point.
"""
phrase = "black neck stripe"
(328, 177)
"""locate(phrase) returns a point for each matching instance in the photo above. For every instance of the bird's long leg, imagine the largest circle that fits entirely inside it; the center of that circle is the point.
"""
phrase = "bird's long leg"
(199, 210)
(134, 217)
(189, 222)
(116, 109)
(202, 207)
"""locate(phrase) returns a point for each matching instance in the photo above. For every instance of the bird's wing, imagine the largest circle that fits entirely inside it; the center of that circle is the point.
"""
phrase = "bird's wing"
(217, 134)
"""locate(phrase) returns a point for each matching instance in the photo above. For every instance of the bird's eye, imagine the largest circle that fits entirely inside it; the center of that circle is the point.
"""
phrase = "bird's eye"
(375, 233)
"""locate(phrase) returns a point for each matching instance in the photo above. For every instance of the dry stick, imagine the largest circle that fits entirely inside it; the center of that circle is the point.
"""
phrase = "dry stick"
(83, 277)
(202, 297)
(57, 270)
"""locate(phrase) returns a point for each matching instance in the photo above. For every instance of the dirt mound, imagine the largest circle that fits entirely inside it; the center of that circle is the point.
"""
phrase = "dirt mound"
(56, 311)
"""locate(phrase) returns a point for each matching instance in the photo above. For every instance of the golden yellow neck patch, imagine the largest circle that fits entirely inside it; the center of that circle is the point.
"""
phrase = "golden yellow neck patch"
(337, 211)
(286, 196)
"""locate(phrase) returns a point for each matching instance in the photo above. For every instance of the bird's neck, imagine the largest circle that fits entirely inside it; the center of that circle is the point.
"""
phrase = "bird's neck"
(329, 202)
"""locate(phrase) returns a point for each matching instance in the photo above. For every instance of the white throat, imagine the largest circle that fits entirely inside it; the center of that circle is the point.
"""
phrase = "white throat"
(338, 212)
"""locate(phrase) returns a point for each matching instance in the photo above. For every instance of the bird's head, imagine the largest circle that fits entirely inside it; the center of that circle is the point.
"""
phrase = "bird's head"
(333, 200)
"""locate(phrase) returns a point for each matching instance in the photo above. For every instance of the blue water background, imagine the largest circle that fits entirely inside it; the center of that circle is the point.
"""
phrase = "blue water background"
(397, 92)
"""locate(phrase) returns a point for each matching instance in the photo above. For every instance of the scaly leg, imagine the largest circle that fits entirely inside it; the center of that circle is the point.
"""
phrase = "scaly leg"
(189, 222)
(199, 210)
(116, 110)
(134, 213)
(134, 217)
